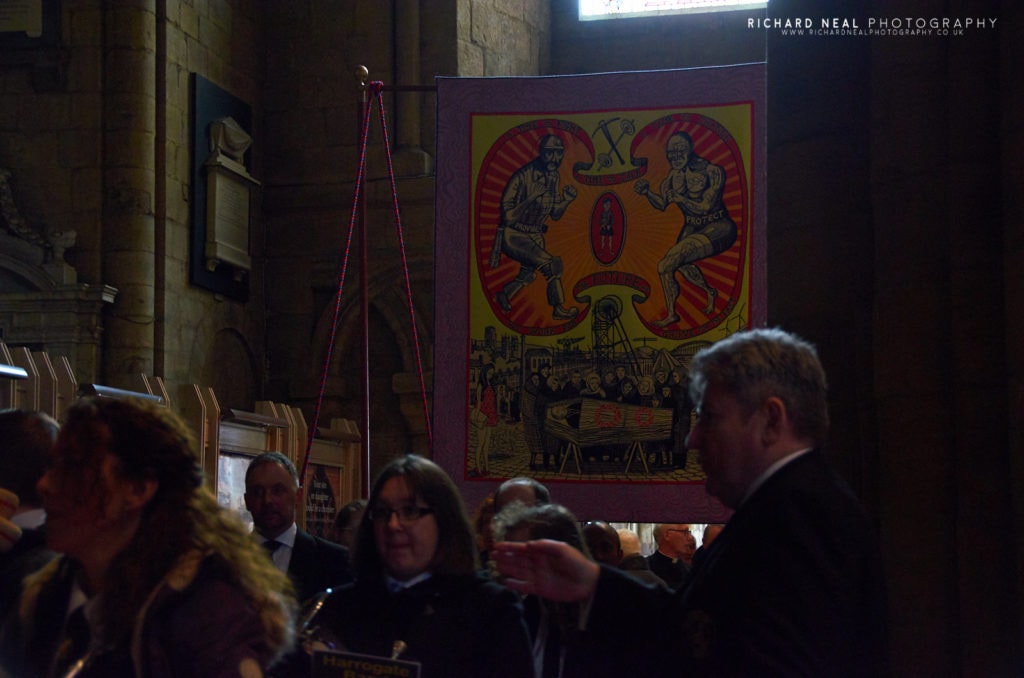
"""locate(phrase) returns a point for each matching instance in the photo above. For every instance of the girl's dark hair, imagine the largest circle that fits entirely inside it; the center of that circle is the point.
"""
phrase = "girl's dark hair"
(456, 552)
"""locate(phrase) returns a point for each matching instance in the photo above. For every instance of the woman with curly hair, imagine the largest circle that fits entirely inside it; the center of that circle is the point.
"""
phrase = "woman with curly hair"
(157, 579)
(417, 592)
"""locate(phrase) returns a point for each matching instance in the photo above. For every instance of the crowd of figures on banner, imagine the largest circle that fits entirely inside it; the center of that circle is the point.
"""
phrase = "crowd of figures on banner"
(533, 413)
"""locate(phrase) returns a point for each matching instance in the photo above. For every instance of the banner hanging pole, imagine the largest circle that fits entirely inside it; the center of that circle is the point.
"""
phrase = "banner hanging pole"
(364, 314)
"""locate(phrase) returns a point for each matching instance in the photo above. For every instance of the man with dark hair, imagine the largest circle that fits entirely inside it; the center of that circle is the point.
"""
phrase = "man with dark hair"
(312, 563)
(794, 584)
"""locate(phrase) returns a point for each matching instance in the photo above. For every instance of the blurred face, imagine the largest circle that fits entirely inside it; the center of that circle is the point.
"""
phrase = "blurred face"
(270, 497)
(728, 443)
(85, 500)
(406, 546)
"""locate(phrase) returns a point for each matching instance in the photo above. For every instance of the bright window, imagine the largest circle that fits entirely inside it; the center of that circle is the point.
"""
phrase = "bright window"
(619, 9)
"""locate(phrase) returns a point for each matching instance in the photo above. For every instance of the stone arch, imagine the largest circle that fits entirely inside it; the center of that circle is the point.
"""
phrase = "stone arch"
(18, 275)
(386, 296)
(389, 312)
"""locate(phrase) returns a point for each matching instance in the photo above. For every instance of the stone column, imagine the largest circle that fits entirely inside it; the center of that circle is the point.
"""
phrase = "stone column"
(410, 160)
(129, 181)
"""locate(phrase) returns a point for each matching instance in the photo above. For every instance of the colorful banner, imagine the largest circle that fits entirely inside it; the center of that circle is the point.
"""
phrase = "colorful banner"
(593, 233)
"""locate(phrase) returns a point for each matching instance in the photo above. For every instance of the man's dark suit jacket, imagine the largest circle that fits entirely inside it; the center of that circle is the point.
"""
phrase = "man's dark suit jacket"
(792, 586)
(317, 564)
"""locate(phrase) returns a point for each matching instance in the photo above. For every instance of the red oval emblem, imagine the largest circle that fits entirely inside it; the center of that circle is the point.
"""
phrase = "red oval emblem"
(607, 228)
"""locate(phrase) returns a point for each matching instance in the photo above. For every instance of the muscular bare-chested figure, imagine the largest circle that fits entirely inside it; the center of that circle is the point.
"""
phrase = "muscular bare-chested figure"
(695, 186)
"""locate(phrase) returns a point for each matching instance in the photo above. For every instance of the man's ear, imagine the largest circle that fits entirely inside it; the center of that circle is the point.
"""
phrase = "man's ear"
(775, 418)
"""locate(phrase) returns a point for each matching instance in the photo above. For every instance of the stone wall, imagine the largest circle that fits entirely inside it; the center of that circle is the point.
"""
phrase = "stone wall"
(205, 338)
(103, 148)
(51, 132)
(503, 38)
(51, 142)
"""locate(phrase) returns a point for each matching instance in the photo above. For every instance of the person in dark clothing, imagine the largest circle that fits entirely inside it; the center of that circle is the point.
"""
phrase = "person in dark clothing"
(667, 562)
(417, 585)
(28, 438)
(156, 578)
(633, 562)
(561, 647)
(794, 584)
(312, 563)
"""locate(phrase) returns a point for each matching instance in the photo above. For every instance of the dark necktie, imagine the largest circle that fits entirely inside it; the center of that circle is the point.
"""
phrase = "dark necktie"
(271, 546)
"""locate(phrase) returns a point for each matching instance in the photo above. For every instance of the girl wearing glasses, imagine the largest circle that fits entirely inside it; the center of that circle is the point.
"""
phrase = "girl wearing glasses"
(417, 592)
